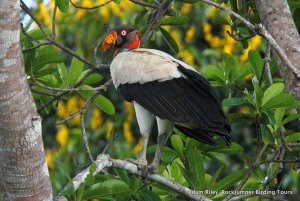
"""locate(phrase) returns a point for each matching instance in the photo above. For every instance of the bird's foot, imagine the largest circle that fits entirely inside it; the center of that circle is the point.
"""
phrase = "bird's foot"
(153, 168)
(141, 163)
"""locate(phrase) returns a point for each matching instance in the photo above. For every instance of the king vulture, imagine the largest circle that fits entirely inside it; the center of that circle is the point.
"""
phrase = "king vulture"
(164, 89)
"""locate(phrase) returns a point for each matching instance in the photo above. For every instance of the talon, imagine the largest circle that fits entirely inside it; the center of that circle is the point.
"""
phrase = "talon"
(153, 168)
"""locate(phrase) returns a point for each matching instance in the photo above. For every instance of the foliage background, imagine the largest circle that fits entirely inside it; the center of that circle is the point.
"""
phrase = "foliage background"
(196, 34)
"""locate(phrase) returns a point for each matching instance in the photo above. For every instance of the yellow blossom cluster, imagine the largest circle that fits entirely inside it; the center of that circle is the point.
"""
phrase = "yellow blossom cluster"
(185, 54)
(253, 44)
(224, 42)
(71, 106)
(96, 119)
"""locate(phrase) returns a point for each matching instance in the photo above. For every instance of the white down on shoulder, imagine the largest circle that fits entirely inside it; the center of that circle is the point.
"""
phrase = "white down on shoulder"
(144, 65)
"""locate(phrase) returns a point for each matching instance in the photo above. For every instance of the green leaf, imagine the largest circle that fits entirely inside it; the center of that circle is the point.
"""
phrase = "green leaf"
(102, 102)
(149, 196)
(62, 5)
(92, 168)
(258, 94)
(168, 154)
(279, 114)
(213, 72)
(256, 62)
(105, 104)
(177, 143)
(282, 100)
(233, 149)
(41, 60)
(75, 70)
(290, 118)
(229, 65)
(176, 20)
(267, 136)
(36, 34)
(92, 79)
(170, 40)
(272, 91)
(230, 180)
(117, 1)
(62, 71)
(196, 165)
(233, 101)
(272, 170)
(108, 187)
(293, 137)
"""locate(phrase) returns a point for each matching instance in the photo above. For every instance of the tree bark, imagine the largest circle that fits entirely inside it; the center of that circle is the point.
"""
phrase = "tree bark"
(23, 170)
(276, 16)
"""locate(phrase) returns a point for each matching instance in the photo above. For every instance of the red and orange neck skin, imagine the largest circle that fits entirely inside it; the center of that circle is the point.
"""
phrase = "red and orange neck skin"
(135, 43)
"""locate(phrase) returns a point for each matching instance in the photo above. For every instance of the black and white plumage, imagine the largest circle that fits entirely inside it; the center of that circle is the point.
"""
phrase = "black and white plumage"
(172, 91)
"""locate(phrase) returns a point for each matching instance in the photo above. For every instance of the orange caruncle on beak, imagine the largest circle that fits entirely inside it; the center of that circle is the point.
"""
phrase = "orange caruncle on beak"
(109, 40)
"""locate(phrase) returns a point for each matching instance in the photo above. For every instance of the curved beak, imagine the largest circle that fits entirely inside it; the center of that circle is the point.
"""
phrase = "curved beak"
(109, 40)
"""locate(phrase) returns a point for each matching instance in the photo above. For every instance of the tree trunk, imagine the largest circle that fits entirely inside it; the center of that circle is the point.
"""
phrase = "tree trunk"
(23, 170)
(276, 16)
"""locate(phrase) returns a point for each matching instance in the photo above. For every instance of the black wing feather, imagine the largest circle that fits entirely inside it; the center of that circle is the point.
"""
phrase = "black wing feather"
(188, 100)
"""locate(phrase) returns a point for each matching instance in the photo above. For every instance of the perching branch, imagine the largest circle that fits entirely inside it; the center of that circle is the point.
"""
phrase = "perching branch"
(261, 30)
(105, 161)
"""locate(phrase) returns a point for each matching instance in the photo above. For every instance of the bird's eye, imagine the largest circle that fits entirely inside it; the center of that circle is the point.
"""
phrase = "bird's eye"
(123, 33)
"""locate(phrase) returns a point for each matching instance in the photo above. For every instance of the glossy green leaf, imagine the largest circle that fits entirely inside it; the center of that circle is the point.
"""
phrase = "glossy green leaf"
(213, 72)
(258, 94)
(229, 65)
(233, 101)
(267, 136)
(41, 60)
(108, 187)
(105, 104)
(62, 71)
(233, 149)
(273, 168)
(196, 165)
(279, 114)
(75, 70)
(102, 102)
(148, 195)
(63, 5)
(230, 180)
(92, 79)
(293, 138)
(177, 143)
(170, 40)
(174, 20)
(168, 154)
(272, 91)
(256, 62)
(282, 100)
(290, 118)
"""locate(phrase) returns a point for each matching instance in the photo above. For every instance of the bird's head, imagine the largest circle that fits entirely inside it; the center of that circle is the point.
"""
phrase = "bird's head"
(123, 36)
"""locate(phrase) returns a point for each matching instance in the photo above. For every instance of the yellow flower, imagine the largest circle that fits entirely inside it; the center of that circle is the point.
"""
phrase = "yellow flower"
(72, 104)
(44, 15)
(49, 159)
(62, 136)
(129, 111)
(127, 133)
(206, 28)
(253, 44)
(96, 120)
(187, 56)
(109, 128)
(62, 110)
(186, 8)
(212, 12)
(138, 147)
(190, 34)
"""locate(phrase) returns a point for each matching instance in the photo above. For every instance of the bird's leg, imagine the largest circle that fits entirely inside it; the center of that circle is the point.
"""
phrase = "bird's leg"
(141, 161)
(145, 120)
(165, 129)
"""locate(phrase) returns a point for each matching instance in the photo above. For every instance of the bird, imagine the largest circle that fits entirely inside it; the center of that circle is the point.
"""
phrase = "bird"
(166, 90)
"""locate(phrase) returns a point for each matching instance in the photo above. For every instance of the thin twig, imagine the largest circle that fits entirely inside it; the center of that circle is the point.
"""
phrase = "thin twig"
(143, 3)
(235, 37)
(41, 92)
(53, 21)
(297, 160)
(267, 60)
(108, 144)
(90, 8)
(36, 46)
(71, 116)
